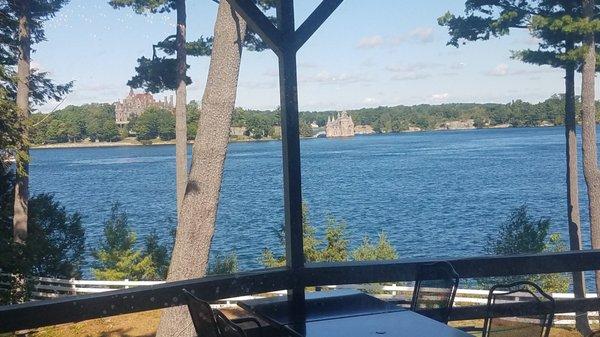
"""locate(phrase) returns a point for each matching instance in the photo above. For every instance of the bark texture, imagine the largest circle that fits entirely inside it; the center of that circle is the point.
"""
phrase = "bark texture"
(581, 320)
(180, 106)
(199, 209)
(588, 134)
(23, 74)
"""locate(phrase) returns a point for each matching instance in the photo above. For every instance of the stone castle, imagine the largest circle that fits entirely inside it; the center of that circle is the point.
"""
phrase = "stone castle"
(135, 104)
(340, 126)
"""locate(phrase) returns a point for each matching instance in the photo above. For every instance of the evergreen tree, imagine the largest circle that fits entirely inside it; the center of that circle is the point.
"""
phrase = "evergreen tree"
(589, 26)
(556, 23)
(118, 259)
(22, 26)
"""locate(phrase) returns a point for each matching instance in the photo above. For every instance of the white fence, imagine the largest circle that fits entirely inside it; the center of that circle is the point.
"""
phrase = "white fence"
(47, 288)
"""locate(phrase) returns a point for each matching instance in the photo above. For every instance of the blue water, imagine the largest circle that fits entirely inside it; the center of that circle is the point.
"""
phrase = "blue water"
(435, 194)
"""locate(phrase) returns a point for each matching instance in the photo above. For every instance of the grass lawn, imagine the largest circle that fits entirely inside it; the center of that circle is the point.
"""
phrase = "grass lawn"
(144, 325)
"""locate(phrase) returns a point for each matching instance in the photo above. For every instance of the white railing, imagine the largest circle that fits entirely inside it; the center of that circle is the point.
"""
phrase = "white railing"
(47, 288)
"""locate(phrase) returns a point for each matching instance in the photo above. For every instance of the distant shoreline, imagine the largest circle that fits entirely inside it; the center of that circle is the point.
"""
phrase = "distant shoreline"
(133, 142)
(128, 142)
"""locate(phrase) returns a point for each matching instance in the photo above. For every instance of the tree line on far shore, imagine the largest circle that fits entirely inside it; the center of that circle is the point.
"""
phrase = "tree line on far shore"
(96, 121)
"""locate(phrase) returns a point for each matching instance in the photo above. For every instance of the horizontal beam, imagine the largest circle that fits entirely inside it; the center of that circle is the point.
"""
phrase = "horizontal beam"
(525, 309)
(79, 308)
(319, 274)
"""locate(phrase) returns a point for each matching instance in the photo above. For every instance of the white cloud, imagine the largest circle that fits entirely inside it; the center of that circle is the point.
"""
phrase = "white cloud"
(416, 35)
(440, 97)
(458, 65)
(504, 70)
(422, 34)
(325, 77)
(370, 42)
(499, 70)
(412, 71)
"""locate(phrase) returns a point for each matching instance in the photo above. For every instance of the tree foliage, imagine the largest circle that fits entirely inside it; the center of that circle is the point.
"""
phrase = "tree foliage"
(158, 73)
(97, 121)
(56, 247)
(118, 259)
(42, 89)
(333, 247)
(522, 234)
(155, 123)
(75, 123)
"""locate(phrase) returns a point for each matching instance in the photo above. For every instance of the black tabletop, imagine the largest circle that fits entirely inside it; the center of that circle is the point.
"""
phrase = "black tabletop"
(347, 313)
(318, 305)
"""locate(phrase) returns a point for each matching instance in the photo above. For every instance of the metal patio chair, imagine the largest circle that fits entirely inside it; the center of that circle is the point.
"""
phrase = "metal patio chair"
(209, 322)
(526, 326)
(435, 289)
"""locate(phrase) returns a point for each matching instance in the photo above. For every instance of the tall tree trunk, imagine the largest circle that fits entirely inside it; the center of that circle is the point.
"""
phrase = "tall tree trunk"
(23, 74)
(180, 106)
(581, 319)
(588, 134)
(197, 217)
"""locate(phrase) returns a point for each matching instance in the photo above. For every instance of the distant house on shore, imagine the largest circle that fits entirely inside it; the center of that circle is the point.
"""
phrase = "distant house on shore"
(135, 104)
(340, 126)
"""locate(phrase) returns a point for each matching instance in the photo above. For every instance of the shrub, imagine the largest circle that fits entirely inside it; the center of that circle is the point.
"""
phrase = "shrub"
(223, 265)
(522, 234)
(334, 247)
(54, 247)
(117, 258)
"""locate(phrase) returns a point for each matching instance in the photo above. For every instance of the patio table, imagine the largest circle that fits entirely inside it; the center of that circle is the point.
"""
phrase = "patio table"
(346, 313)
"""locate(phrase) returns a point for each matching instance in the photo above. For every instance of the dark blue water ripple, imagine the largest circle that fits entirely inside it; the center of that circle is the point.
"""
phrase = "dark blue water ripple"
(434, 193)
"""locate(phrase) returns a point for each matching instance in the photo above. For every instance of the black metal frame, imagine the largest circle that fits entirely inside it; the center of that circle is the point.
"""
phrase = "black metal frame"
(216, 315)
(285, 41)
(523, 287)
(434, 271)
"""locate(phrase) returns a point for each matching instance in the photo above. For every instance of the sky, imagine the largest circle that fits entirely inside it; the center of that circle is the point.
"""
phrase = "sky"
(370, 53)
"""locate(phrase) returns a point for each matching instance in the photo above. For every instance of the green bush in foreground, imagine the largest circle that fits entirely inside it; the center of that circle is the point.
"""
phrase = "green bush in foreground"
(334, 247)
(522, 234)
(54, 247)
(117, 258)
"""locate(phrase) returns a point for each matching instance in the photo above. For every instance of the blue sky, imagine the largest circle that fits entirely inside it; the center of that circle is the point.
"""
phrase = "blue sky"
(389, 52)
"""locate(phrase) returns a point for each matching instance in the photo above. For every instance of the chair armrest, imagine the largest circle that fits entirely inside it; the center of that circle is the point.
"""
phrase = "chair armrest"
(249, 319)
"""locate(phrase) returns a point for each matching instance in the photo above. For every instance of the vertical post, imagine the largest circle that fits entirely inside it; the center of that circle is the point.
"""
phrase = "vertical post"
(292, 180)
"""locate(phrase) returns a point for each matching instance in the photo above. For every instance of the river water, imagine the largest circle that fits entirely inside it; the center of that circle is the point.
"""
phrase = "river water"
(435, 194)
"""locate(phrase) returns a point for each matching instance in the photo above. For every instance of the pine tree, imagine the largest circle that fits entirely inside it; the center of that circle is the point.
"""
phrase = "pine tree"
(199, 204)
(554, 23)
(22, 26)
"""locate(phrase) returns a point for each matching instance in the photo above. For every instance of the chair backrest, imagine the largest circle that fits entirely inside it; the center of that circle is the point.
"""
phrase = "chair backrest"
(435, 289)
(526, 326)
(203, 317)
(227, 327)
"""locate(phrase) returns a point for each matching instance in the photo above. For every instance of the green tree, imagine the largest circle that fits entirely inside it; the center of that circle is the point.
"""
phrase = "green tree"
(382, 250)
(557, 24)
(522, 234)
(117, 258)
(55, 248)
(305, 130)
(223, 265)
(589, 27)
(22, 27)
(154, 123)
(334, 247)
